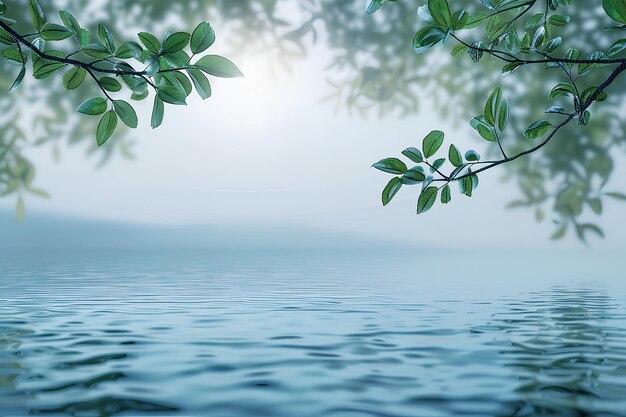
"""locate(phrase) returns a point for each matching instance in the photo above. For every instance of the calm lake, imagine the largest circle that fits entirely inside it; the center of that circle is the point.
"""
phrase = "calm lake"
(293, 334)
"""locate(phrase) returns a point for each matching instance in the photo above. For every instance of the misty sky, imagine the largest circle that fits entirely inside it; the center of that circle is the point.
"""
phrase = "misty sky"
(265, 150)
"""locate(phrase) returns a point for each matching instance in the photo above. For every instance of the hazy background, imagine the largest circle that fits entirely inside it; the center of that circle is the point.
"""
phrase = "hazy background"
(265, 151)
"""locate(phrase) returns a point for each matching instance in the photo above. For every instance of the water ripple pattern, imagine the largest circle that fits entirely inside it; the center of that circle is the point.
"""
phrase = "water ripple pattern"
(287, 335)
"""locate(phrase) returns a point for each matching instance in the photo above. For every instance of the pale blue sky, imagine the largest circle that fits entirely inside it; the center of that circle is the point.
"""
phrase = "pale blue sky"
(265, 150)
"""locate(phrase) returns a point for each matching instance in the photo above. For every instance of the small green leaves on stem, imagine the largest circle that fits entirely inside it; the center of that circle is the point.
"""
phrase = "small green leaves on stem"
(167, 67)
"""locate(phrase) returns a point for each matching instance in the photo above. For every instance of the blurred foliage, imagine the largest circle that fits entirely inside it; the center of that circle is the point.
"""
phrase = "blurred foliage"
(375, 71)
(567, 177)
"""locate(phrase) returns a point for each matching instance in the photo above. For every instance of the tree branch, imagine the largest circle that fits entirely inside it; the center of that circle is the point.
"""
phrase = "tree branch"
(584, 106)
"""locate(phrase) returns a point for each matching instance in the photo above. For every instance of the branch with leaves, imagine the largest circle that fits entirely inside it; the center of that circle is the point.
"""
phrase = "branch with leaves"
(502, 41)
(166, 67)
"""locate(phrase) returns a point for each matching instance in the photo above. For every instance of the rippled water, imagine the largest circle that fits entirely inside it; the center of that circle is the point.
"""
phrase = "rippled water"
(313, 335)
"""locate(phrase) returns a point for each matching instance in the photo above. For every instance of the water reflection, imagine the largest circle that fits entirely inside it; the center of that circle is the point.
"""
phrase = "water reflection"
(567, 353)
(303, 336)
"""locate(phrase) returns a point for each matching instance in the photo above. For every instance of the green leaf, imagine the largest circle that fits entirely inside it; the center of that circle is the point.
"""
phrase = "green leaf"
(176, 42)
(54, 32)
(139, 95)
(391, 165)
(460, 19)
(583, 69)
(157, 112)
(96, 50)
(483, 128)
(200, 81)
(503, 115)
(18, 80)
(71, 23)
(572, 54)
(586, 95)
(93, 107)
(559, 20)
(106, 127)
(492, 106)
(172, 95)
(553, 46)
(537, 129)
(202, 38)
(106, 38)
(374, 5)
(5, 37)
(413, 176)
(151, 43)
(391, 190)
(426, 199)
(437, 164)
(472, 156)
(446, 195)
(37, 15)
(562, 89)
(512, 42)
(455, 156)
(218, 66)
(617, 196)
(583, 120)
(126, 112)
(43, 68)
(617, 48)
(616, 9)
(509, 68)
(110, 84)
(13, 55)
(468, 184)
(413, 154)
(426, 37)
(73, 78)
(440, 11)
(432, 142)
(179, 79)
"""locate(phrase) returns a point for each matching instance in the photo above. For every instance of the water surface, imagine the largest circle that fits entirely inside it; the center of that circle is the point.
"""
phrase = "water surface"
(295, 335)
